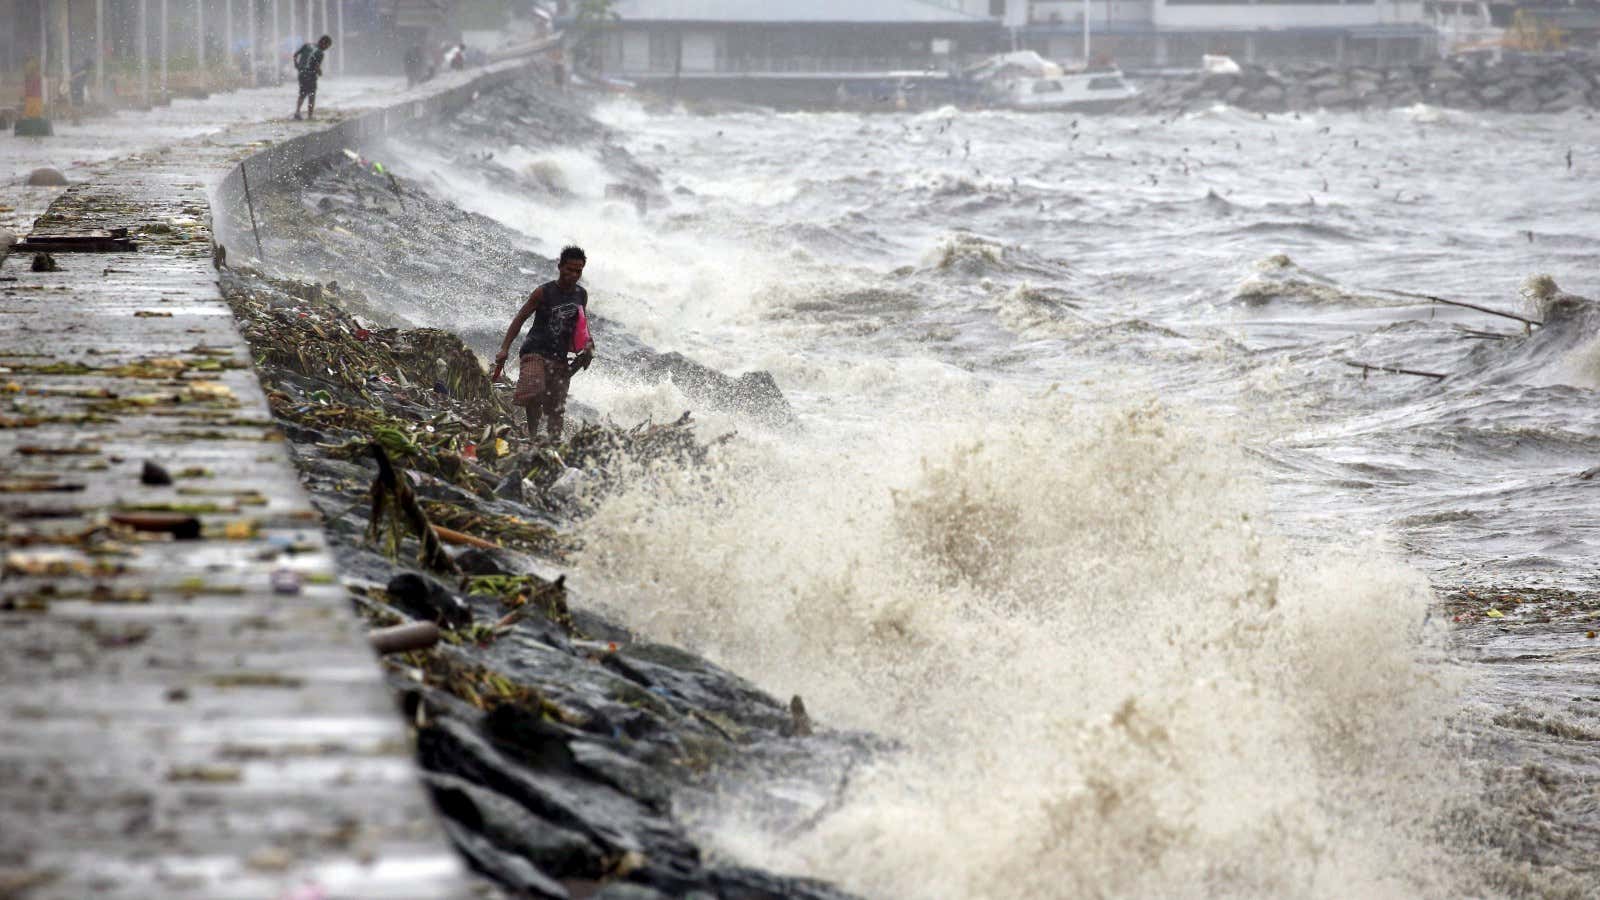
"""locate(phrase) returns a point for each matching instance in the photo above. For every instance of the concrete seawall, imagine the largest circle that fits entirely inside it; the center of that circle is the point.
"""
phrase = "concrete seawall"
(191, 708)
(283, 161)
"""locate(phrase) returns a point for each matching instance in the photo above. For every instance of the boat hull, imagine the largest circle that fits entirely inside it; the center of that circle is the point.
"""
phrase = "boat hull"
(1108, 104)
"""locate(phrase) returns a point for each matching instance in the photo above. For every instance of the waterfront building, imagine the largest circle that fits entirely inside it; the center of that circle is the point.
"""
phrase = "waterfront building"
(1176, 33)
(711, 38)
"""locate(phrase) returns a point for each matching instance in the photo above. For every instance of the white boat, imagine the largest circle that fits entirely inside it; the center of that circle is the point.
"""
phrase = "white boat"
(1026, 80)
(1086, 91)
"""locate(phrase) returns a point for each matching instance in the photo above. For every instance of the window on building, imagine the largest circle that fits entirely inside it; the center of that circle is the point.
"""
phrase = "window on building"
(663, 51)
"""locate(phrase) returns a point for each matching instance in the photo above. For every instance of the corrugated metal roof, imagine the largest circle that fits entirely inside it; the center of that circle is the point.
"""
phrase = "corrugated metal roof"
(858, 12)
(418, 13)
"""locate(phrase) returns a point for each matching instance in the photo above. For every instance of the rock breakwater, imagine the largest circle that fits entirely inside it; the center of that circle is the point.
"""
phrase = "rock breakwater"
(1528, 84)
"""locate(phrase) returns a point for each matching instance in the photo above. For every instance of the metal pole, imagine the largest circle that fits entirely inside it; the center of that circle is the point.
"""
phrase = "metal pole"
(144, 52)
(338, 6)
(244, 174)
(100, 50)
(65, 23)
(277, 43)
(294, 27)
(44, 52)
(163, 49)
(250, 24)
(227, 33)
(64, 26)
(1086, 34)
(200, 36)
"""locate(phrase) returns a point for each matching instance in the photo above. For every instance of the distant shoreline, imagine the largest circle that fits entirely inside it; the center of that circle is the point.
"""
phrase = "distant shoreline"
(1524, 84)
(1529, 84)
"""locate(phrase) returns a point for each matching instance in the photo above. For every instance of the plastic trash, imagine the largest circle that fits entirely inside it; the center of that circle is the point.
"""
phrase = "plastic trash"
(580, 333)
(568, 484)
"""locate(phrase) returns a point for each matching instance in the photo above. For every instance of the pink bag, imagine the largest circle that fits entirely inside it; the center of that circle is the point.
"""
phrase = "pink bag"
(580, 333)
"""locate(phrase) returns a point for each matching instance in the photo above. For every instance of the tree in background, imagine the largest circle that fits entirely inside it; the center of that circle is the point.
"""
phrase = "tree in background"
(592, 19)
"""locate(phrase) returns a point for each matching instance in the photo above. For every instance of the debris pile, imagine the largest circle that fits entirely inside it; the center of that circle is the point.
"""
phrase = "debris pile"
(338, 384)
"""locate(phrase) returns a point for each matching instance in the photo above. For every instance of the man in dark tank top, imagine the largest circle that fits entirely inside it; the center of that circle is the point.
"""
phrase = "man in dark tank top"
(558, 309)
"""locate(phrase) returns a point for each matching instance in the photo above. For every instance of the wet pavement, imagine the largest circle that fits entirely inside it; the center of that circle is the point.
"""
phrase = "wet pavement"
(192, 709)
(84, 149)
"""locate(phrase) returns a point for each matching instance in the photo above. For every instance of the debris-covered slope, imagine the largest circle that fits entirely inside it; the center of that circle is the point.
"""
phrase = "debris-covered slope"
(559, 749)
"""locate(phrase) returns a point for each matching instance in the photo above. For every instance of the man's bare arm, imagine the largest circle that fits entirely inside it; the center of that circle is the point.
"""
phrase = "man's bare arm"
(516, 328)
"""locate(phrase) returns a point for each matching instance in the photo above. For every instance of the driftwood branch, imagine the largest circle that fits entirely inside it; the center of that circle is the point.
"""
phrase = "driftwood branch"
(1392, 370)
(404, 638)
(1483, 335)
(451, 536)
(391, 487)
(1527, 322)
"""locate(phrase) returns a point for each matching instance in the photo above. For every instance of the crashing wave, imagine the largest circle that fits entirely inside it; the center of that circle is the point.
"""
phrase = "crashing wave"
(1280, 279)
(969, 254)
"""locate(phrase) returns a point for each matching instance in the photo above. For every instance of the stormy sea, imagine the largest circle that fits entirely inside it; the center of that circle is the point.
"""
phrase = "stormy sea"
(1084, 499)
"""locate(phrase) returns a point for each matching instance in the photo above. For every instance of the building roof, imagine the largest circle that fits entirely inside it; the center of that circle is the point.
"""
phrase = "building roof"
(810, 12)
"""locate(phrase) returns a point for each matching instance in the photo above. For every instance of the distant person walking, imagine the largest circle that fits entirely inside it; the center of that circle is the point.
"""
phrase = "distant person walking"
(558, 69)
(416, 65)
(308, 63)
(560, 326)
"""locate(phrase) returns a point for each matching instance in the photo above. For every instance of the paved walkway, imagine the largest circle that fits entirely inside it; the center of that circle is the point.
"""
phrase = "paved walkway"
(183, 718)
(95, 145)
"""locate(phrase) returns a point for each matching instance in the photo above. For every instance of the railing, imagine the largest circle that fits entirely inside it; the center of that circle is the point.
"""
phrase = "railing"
(800, 65)
(833, 64)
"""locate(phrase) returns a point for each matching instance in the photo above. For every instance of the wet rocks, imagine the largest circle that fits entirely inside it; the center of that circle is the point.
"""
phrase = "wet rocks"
(46, 177)
(510, 829)
(584, 809)
(1544, 84)
(755, 394)
(154, 474)
(489, 561)
(425, 598)
(510, 488)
